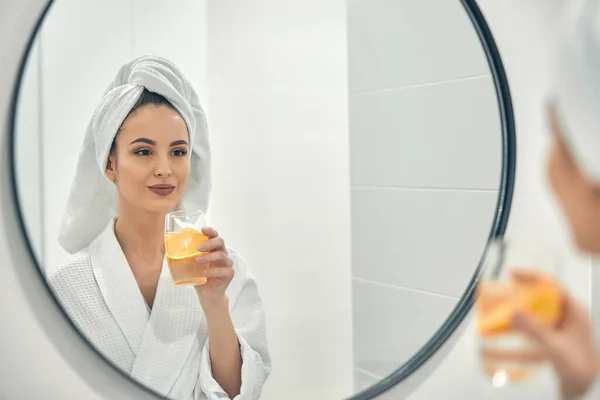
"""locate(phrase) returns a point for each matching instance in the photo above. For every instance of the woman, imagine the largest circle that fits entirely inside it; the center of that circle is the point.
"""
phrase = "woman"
(145, 154)
(574, 174)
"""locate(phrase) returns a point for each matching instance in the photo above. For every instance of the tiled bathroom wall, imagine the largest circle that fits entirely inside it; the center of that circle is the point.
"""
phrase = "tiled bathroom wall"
(425, 145)
(524, 32)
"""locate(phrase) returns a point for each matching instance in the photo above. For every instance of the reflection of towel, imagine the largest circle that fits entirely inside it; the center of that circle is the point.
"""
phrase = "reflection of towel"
(93, 199)
(576, 82)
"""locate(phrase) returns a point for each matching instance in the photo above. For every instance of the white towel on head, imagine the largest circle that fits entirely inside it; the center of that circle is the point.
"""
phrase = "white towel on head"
(93, 198)
(576, 82)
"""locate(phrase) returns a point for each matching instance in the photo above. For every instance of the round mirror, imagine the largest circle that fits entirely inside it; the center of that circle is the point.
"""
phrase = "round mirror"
(337, 168)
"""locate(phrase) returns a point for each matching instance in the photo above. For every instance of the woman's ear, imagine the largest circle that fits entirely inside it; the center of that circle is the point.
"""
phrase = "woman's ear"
(110, 170)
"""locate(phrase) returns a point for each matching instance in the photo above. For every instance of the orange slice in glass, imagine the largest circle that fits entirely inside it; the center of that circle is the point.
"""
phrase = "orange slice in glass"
(184, 244)
(536, 295)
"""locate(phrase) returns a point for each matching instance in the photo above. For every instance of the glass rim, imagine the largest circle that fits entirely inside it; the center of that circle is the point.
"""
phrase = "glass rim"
(492, 265)
(517, 242)
(185, 213)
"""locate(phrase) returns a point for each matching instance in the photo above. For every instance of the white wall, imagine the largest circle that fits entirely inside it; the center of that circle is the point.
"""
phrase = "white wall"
(278, 100)
(426, 147)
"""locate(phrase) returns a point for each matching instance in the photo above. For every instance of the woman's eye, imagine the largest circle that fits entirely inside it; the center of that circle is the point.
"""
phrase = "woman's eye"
(179, 153)
(143, 152)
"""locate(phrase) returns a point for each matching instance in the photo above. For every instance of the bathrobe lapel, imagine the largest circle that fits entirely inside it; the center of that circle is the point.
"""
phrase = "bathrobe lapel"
(161, 340)
(169, 336)
(119, 287)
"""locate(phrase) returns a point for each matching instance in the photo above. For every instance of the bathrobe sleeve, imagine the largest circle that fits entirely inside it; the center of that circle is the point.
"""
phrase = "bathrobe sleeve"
(249, 323)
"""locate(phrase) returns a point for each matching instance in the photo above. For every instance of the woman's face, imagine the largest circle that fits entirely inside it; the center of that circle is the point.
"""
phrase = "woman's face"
(151, 162)
(578, 195)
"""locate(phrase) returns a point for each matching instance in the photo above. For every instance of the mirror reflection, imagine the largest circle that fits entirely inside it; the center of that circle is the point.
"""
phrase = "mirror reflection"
(232, 201)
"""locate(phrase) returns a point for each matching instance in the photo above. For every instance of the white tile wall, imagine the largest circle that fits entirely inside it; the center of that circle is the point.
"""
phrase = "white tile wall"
(426, 150)
(523, 31)
(444, 135)
(364, 380)
(429, 240)
(391, 324)
(397, 43)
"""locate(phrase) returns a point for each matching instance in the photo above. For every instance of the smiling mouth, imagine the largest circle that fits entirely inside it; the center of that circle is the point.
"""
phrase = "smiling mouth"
(162, 190)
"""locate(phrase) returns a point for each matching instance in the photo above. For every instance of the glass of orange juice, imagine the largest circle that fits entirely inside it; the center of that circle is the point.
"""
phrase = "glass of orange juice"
(515, 278)
(183, 235)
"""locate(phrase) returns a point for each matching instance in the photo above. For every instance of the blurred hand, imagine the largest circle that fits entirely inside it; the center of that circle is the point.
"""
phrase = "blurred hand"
(570, 347)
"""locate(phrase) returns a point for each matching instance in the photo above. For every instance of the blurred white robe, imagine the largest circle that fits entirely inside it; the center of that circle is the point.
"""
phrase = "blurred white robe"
(594, 392)
(166, 348)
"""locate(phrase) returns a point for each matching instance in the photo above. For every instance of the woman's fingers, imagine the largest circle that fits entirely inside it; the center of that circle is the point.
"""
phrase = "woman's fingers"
(538, 333)
(576, 316)
(210, 232)
(525, 276)
(214, 244)
(225, 273)
(217, 258)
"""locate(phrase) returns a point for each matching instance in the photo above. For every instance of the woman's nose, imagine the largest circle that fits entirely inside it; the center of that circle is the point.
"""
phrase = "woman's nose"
(163, 169)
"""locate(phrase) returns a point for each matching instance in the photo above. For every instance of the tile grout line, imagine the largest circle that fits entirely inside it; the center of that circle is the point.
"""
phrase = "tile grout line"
(370, 374)
(417, 85)
(409, 289)
(421, 188)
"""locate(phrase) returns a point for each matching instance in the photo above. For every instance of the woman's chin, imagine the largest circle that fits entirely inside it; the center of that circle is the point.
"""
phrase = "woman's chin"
(162, 206)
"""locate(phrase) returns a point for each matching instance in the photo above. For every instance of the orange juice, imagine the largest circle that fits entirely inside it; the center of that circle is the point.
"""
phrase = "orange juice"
(503, 349)
(182, 249)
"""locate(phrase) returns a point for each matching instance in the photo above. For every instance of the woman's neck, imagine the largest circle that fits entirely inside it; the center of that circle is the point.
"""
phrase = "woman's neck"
(140, 233)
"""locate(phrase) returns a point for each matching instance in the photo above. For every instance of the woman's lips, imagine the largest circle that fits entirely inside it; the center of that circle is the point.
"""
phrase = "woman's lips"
(162, 190)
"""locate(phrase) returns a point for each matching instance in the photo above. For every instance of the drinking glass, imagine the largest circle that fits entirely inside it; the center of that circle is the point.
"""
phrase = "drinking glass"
(516, 277)
(183, 235)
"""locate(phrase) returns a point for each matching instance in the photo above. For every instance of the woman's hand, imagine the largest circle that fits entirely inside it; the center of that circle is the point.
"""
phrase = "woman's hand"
(570, 347)
(225, 356)
(218, 270)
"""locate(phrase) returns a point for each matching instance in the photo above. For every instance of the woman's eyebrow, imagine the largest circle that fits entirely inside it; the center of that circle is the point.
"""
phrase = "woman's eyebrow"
(153, 143)
(144, 140)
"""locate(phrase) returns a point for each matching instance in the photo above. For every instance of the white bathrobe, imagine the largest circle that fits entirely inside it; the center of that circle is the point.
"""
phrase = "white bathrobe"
(166, 348)
(594, 393)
